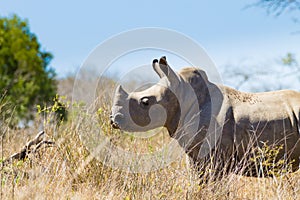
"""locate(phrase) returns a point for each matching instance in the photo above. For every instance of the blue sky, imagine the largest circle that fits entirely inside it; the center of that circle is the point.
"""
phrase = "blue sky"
(226, 29)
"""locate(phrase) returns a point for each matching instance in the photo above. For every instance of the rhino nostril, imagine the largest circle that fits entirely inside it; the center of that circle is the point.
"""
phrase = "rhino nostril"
(115, 126)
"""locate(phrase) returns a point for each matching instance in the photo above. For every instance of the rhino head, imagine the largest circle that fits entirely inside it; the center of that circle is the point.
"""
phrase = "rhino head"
(154, 107)
(186, 103)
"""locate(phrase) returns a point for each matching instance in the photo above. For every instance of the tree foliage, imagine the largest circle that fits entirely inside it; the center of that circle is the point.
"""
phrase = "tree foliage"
(26, 79)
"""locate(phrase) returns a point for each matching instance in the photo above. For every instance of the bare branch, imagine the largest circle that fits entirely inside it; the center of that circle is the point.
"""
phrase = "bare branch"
(278, 7)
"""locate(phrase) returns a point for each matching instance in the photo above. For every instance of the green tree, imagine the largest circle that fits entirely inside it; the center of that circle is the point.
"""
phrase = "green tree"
(25, 78)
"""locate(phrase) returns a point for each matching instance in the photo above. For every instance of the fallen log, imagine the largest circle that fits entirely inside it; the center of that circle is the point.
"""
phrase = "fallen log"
(30, 147)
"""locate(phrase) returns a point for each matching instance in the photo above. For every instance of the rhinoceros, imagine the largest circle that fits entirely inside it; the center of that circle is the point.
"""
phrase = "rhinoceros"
(205, 117)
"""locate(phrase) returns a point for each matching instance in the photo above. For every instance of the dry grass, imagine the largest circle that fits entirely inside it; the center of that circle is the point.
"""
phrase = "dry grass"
(68, 171)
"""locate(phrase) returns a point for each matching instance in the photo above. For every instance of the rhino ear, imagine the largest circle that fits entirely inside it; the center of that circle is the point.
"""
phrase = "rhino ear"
(157, 69)
(163, 69)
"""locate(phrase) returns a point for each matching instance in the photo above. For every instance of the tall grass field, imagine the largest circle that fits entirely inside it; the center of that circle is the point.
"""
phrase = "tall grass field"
(69, 170)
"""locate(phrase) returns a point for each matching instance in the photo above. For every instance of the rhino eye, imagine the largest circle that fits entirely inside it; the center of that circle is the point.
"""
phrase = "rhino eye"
(145, 101)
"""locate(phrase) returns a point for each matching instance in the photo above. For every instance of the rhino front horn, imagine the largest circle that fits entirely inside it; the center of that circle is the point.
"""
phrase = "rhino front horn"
(121, 91)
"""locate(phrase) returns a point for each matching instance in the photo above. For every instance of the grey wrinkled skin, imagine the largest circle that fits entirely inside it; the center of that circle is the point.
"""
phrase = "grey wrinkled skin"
(209, 119)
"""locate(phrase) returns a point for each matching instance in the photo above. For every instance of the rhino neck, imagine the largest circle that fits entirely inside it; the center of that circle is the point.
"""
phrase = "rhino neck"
(183, 107)
(173, 112)
(172, 125)
(195, 120)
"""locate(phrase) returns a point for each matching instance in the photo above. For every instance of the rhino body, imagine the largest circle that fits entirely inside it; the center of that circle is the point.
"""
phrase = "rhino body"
(205, 117)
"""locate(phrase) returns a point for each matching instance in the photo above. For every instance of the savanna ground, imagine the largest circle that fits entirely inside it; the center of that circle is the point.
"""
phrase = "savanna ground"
(68, 171)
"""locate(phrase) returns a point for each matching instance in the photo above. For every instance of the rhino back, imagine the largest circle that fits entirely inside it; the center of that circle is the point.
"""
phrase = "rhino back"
(271, 117)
